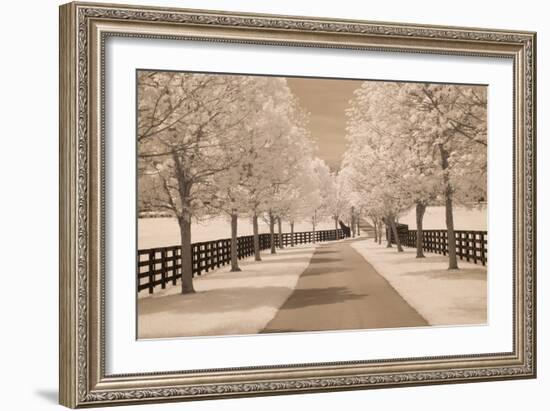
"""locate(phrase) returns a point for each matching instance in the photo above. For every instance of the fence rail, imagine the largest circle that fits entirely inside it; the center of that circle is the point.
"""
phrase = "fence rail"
(162, 266)
(470, 245)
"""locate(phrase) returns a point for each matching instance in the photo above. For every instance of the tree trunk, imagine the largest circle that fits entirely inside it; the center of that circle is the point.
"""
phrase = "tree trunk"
(186, 256)
(397, 239)
(184, 221)
(256, 235)
(234, 244)
(387, 226)
(420, 210)
(336, 225)
(451, 239)
(357, 223)
(292, 233)
(376, 228)
(453, 263)
(313, 223)
(280, 228)
(379, 233)
(353, 222)
(272, 232)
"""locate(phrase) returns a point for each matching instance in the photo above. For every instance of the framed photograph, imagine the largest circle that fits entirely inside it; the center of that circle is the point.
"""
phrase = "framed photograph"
(260, 204)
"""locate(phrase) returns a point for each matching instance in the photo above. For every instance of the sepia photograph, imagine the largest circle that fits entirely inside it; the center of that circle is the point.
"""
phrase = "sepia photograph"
(278, 204)
(271, 204)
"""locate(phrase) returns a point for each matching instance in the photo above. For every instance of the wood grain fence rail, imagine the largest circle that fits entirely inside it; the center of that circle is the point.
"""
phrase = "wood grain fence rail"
(162, 266)
(470, 245)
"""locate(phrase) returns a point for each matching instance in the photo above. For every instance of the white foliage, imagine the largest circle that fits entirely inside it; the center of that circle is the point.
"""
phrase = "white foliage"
(211, 144)
(396, 135)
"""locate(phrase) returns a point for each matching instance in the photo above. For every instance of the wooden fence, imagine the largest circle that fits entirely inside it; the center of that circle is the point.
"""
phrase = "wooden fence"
(470, 245)
(161, 266)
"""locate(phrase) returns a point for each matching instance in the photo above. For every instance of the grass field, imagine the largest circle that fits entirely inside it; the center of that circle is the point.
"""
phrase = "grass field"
(465, 218)
(164, 232)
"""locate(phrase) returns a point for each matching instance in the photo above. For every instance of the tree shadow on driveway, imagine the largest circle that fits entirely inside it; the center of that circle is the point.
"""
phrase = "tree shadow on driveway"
(321, 260)
(312, 271)
(321, 251)
(320, 296)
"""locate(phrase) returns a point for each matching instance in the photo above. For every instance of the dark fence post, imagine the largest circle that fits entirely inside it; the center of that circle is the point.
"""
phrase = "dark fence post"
(208, 256)
(175, 253)
(151, 271)
(163, 268)
(482, 247)
(474, 246)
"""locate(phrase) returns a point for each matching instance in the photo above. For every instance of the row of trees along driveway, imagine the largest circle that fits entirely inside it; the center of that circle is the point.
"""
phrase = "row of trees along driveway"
(233, 145)
(240, 146)
(412, 145)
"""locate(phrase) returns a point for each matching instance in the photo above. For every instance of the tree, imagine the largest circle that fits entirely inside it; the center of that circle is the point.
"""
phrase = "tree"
(374, 169)
(453, 120)
(301, 199)
(228, 198)
(264, 134)
(188, 133)
(334, 196)
(350, 198)
(377, 110)
(415, 129)
(317, 208)
(290, 148)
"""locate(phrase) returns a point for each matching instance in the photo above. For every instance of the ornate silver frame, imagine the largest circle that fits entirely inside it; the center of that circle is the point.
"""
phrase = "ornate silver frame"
(83, 30)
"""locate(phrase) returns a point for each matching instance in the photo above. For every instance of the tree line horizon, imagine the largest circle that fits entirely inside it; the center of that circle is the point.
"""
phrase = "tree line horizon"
(236, 145)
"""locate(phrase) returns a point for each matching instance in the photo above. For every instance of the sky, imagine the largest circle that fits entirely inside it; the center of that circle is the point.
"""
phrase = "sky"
(326, 100)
